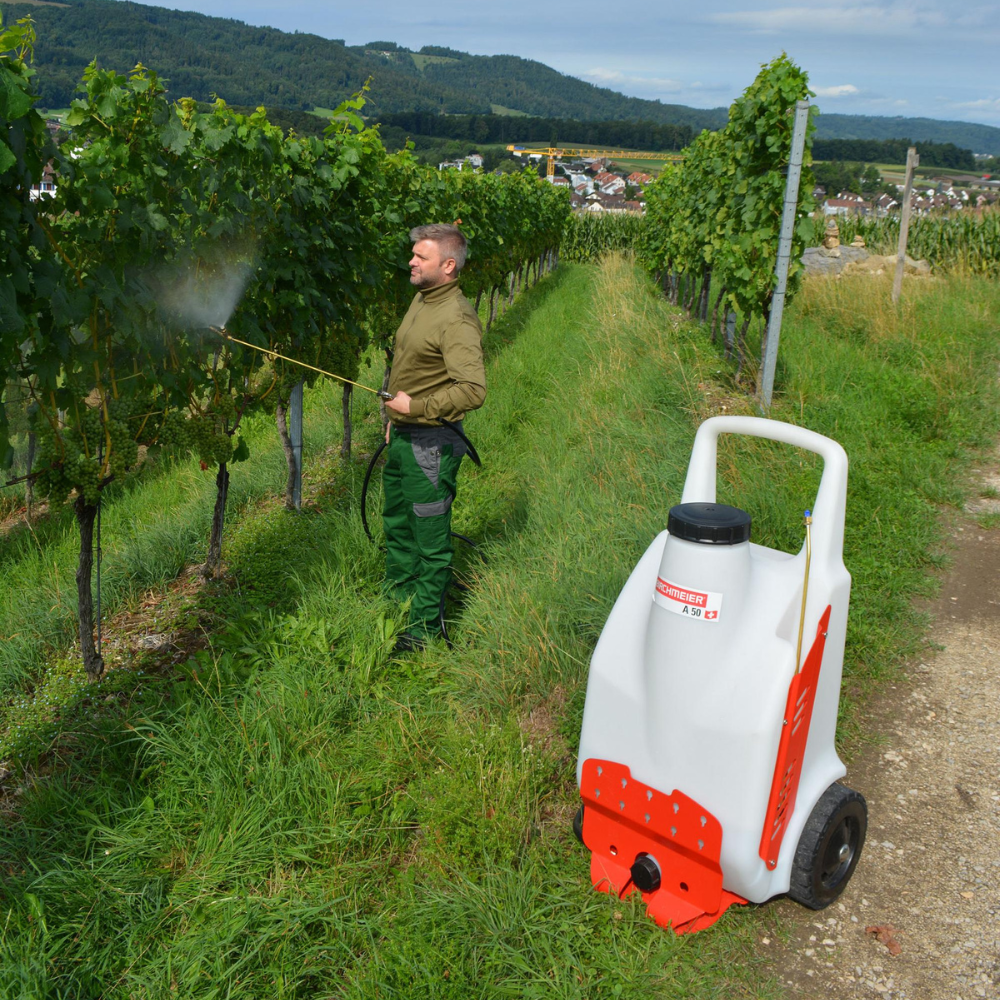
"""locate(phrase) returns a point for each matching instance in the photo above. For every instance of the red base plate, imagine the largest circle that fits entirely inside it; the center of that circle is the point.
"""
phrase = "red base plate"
(624, 818)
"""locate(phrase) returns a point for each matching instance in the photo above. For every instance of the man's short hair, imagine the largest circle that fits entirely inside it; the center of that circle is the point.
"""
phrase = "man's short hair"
(450, 240)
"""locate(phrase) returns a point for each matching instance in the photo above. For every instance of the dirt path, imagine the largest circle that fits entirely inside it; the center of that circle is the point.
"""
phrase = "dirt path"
(930, 870)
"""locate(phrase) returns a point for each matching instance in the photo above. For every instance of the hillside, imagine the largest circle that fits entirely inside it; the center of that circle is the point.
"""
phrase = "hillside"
(965, 135)
(203, 56)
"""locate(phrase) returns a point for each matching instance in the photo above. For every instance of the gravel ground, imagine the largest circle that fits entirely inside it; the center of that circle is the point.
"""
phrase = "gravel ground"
(929, 875)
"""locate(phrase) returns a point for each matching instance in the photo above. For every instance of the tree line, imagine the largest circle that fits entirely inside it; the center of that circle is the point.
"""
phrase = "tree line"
(932, 154)
(491, 129)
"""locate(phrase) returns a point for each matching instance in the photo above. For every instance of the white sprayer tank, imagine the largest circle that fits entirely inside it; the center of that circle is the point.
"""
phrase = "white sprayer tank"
(689, 681)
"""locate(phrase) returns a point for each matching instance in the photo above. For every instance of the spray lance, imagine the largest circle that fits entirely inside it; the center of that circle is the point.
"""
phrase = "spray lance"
(381, 393)
(222, 332)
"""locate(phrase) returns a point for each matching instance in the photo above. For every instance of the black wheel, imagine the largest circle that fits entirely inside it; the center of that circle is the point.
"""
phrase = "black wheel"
(578, 824)
(829, 847)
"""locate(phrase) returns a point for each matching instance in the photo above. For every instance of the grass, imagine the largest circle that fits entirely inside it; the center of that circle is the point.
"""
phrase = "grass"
(149, 535)
(423, 61)
(911, 392)
(499, 109)
(286, 812)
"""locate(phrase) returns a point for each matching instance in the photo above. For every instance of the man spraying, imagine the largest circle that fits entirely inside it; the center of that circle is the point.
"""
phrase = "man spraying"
(437, 374)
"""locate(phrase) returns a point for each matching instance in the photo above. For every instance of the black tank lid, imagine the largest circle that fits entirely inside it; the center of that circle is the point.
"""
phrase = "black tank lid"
(710, 523)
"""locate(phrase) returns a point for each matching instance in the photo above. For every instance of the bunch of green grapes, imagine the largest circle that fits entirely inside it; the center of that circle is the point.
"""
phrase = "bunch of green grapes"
(64, 466)
(209, 440)
(124, 407)
(222, 407)
(341, 354)
(54, 479)
(124, 450)
(174, 432)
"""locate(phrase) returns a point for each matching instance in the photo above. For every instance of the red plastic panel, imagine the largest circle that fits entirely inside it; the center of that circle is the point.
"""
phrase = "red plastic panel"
(794, 733)
(624, 818)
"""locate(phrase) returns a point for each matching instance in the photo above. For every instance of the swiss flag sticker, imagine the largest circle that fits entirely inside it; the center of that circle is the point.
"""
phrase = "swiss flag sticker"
(711, 614)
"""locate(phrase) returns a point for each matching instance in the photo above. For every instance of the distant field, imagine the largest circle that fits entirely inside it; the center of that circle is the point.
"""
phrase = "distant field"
(499, 109)
(625, 162)
(896, 172)
(422, 61)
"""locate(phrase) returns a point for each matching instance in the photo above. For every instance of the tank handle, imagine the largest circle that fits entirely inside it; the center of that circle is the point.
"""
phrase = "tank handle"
(830, 506)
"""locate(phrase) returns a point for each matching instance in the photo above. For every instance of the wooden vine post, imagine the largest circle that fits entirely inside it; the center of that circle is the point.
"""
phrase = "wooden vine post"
(912, 162)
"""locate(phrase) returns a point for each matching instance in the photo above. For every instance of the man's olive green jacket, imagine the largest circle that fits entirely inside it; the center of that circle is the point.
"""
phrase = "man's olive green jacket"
(438, 357)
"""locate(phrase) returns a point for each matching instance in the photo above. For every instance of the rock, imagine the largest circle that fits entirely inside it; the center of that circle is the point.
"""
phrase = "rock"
(820, 260)
(154, 642)
(881, 263)
(856, 259)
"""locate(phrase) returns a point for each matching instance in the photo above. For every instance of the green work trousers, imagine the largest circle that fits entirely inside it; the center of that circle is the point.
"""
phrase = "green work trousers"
(419, 481)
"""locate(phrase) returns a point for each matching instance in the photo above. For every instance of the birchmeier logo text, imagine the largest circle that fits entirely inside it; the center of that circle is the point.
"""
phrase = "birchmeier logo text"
(675, 593)
(705, 606)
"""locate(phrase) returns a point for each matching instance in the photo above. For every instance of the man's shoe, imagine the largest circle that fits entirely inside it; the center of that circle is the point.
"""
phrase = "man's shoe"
(408, 643)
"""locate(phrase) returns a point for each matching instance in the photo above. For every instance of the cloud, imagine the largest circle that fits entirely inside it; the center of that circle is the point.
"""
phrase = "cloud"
(983, 104)
(841, 90)
(871, 18)
(607, 77)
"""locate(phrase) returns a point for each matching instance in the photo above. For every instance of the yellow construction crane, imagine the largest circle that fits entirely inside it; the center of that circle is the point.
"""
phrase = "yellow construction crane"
(554, 153)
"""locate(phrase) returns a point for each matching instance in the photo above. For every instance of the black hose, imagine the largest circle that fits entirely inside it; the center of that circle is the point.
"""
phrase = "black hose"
(455, 429)
(364, 488)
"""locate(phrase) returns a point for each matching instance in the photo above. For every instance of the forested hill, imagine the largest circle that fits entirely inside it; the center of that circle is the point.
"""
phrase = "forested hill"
(965, 135)
(202, 57)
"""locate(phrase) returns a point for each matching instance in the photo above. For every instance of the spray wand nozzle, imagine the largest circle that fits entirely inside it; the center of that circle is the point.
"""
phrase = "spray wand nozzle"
(807, 519)
(222, 332)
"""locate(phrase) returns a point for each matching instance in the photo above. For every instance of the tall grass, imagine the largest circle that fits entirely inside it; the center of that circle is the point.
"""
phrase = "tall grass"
(150, 532)
(290, 813)
(298, 815)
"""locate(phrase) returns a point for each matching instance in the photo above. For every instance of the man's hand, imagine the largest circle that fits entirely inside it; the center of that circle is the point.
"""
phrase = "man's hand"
(400, 403)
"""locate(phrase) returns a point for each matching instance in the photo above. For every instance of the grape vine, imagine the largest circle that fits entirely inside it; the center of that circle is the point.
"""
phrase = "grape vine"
(171, 220)
(714, 219)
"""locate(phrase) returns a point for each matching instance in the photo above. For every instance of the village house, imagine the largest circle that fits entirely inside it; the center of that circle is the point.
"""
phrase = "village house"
(46, 185)
(845, 206)
(639, 180)
(612, 204)
(884, 204)
(610, 183)
(474, 161)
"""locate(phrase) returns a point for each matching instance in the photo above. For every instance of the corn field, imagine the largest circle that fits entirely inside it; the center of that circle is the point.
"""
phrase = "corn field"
(966, 241)
(588, 236)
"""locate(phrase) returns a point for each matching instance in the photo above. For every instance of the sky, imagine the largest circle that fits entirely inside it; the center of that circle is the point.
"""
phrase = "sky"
(927, 58)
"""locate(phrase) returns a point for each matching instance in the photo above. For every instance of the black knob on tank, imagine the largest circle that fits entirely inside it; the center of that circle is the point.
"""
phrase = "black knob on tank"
(645, 873)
